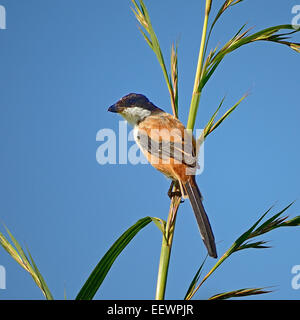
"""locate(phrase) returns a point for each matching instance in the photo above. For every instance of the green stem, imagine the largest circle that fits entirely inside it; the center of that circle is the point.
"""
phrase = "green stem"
(196, 92)
(166, 247)
(163, 270)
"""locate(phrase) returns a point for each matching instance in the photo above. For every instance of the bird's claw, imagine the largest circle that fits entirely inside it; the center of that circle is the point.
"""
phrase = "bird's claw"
(171, 193)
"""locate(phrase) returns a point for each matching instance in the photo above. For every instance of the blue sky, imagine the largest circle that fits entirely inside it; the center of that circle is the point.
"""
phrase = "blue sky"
(62, 64)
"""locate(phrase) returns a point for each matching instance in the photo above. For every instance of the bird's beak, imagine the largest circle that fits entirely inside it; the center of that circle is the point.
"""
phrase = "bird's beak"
(114, 108)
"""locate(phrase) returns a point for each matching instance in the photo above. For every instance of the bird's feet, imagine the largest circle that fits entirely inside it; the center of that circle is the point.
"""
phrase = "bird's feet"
(172, 193)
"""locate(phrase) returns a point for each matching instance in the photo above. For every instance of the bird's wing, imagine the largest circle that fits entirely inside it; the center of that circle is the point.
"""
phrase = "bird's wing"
(153, 137)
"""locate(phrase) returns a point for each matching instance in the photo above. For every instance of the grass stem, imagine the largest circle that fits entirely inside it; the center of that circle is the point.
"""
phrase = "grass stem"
(166, 247)
(196, 92)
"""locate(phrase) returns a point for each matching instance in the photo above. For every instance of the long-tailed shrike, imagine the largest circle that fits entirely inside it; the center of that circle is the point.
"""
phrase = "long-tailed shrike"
(171, 149)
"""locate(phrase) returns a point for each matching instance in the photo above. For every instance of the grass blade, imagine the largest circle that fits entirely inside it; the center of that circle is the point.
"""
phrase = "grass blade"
(161, 224)
(143, 17)
(268, 34)
(10, 249)
(239, 293)
(212, 119)
(98, 275)
(269, 224)
(291, 223)
(227, 113)
(18, 254)
(241, 242)
(195, 279)
(174, 75)
(43, 284)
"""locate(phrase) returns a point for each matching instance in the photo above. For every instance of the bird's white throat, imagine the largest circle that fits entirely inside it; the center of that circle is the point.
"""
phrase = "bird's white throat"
(135, 114)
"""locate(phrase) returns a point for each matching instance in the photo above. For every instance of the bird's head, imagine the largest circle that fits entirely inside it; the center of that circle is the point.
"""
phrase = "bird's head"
(134, 108)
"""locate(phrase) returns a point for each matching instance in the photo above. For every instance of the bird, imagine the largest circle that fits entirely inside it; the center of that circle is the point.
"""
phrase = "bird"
(169, 148)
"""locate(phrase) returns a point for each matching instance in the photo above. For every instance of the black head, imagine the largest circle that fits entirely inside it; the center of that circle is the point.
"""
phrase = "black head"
(132, 100)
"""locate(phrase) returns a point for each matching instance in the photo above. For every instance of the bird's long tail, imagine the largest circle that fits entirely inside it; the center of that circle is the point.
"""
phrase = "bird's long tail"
(201, 216)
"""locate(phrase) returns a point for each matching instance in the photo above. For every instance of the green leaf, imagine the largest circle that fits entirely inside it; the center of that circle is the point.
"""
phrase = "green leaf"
(10, 249)
(227, 4)
(212, 119)
(18, 247)
(227, 113)
(239, 40)
(212, 125)
(195, 280)
(271, 223)
(146, 38)
(174, 75)
(143, 17)
(97, 276)
(161, 224)
(239, 293)
(20, 256)
(245, 236)
(242, 243)
(43, 284)
(291, 223)
(256, 245)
